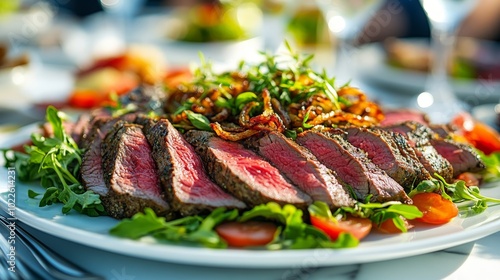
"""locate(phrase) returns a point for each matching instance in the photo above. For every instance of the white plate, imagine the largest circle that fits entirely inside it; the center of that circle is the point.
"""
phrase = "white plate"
(372, 67)
(93, 232)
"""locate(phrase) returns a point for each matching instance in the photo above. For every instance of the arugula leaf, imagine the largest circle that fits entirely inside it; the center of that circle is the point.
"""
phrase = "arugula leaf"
(469, 199)
(55, 162)
(380, 212)
(294, 232)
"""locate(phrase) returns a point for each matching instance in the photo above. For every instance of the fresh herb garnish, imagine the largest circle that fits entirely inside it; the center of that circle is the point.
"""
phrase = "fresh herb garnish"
(300, 96)
(469, 199)
(190, 229)
(55, 162)
(380, 212)
(198, 120)
(492, 163)
(293, 233)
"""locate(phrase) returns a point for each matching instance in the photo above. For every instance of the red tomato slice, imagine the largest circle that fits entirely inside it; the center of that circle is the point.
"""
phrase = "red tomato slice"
(116, 62)
(477, 133)
(436, 209)
(251, 233)
(470, 179)
(389, 227)
(175, 77)
(86, 99)
(358, 227)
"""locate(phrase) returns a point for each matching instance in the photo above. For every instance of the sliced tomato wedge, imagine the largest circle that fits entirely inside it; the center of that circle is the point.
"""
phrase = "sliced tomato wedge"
(479, 134)
(436, 209)
(389, 227)
(86, 99)
(358, 227)
(470, 179)
(245, 234)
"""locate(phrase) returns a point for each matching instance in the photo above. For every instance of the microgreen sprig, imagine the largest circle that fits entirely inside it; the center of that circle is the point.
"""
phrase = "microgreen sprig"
(55, 162)
(469, 199)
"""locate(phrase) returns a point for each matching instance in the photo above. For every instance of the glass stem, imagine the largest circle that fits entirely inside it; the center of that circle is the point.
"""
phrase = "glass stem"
(442, 45)
(345, 63)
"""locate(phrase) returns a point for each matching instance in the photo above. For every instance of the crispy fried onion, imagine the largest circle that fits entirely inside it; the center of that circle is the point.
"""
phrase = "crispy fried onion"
(359, 104)
(267, 121)
(342, 118)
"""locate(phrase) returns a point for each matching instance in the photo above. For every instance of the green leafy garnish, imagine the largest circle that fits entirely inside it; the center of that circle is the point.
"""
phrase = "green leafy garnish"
(198, 120)
(190, 229)
(55, 162)
(469, 199)
(380, 212)
(295, 233)
(492, 163)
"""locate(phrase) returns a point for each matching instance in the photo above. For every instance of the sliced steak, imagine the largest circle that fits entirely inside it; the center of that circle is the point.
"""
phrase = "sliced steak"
(353, 167)
(91, 168)
(188, 188)
(302, 168)
(462, 157)
(389, 151)
(419, 136)
(243, 173)
(442, 130)
(397, 116)
(130, 173)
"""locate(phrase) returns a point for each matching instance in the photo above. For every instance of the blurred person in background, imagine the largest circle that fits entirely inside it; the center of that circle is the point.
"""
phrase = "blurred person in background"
(406, 18)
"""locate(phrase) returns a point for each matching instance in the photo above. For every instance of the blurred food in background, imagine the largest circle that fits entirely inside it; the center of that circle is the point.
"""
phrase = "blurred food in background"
(8, 6)
(307, 26)
(215, 21)
(118, 74)
(471, 59)
(10, 61)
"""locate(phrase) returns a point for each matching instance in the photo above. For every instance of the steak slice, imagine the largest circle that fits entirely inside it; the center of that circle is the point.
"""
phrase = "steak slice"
(243, 173)
(419, 136)
(462, 157)
(130, 173)
(397, 116)
(353, 167)
(389, 151)
(91, 168)
(188, 188)
(302, 168)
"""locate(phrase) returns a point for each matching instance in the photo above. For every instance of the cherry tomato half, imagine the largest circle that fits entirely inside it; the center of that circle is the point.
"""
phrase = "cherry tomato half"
(389, 227)
(477, 133)
(251, 233)
(470, 179)
(358, 227)
(436, 209)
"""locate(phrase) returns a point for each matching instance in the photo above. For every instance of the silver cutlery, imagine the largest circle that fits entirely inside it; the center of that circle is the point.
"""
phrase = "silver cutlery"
(52, 264)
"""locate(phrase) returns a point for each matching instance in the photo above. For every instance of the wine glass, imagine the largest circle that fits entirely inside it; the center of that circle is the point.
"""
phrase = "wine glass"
(345, 19)
(438, 100)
